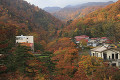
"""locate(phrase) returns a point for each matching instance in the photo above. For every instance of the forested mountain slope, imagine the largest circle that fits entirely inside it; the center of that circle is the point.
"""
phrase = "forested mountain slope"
(102, 22)
(28, 19)
(56, 56)
(74, 12)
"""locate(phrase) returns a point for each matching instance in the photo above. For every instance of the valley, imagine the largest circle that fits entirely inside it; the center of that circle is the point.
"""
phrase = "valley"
(79, 42)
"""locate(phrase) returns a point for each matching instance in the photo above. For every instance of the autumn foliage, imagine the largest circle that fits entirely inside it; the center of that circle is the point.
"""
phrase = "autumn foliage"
(60, 44)
(102, 22)
(56, 56)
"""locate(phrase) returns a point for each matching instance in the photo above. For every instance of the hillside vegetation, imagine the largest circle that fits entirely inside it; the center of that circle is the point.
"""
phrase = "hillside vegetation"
(102, 22)
(28, 19)
(74, 12)
(56, 56)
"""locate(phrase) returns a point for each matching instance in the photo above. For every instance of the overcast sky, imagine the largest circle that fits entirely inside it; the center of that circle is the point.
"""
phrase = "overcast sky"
(61, 3)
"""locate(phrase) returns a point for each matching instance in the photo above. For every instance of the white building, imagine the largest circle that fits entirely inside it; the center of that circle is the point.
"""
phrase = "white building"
(94, 42)
(26, 40)
(107, 53)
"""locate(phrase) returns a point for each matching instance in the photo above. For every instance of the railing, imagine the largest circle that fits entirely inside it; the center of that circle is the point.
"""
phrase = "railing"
(110, 60)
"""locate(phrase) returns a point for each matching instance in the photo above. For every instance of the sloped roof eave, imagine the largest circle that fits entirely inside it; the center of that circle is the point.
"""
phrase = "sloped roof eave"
(107, 49)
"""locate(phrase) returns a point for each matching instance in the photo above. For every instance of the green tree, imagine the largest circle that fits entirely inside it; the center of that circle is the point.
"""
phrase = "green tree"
(45, 59)
(38, 46)
(17, 60)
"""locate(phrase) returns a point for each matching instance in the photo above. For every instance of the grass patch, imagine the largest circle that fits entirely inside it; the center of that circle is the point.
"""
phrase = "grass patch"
(40, 56)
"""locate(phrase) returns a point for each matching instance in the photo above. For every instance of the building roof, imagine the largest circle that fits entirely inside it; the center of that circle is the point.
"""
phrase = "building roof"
(80, 39)
(103, 48)
(99, 49)
(24, 36)
(103, 37)
(82, 36)
(94, 38)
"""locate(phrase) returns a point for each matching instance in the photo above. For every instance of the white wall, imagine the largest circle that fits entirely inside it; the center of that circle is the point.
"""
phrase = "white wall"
(26, 39)
(97, 54)
(108, 52)
(30, 39)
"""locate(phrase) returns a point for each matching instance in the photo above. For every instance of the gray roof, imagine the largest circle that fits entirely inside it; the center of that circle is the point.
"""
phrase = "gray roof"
(104, 48)
(99, 49)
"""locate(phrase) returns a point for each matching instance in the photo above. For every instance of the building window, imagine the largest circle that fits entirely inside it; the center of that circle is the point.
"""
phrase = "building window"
(109, 57)
(112, 56)
(27, 38)
(119, 64)
(105, 56)
(19, 38)
(116, 56)
(97, 54)
(93, 54)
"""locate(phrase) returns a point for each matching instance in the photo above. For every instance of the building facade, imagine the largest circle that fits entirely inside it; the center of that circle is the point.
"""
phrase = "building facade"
(26, 40)
(94, 42)
(106, 53)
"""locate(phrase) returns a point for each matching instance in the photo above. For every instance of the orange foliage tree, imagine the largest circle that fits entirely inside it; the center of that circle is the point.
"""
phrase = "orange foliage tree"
(65, 60)
(88, 65)
(60, 43)
(65, 56)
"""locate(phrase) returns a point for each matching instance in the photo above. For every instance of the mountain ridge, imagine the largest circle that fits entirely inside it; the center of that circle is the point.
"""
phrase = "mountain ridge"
(52, 9)
(102, 22)
(73, 12)
(29, 19)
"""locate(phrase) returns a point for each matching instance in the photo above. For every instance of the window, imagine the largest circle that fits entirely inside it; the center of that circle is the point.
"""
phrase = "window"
(97, 54)
(109, 57)
(93, 54)
(19, 38)
(116, 56)
(112, 56)
(119, 63)
(105, 56)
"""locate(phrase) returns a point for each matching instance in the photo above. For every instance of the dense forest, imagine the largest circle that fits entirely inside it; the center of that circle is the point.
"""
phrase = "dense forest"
(56, 56)
(102, 22)
(29, 19)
